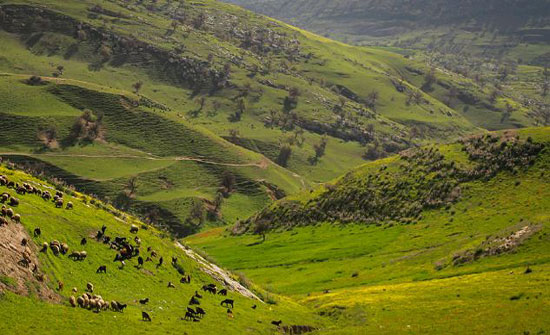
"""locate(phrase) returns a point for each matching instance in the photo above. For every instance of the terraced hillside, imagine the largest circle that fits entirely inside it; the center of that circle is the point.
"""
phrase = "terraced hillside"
(440, 239)
(37, 282)
(154, 165)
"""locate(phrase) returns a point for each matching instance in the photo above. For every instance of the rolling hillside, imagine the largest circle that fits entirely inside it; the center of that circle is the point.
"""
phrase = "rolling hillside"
(400, 185)
(489, 28)
(172, 104)
(441, 239)
(30, 274)
(145, 162)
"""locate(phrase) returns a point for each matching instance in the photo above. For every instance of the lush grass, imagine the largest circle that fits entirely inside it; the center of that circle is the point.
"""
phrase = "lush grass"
(333, 64)
(411, 261)
(138, 143)
(126, 285)
(471, 304)
(322, 71)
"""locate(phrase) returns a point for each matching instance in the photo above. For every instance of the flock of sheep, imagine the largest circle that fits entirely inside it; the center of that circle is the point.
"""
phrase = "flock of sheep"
(126, 249)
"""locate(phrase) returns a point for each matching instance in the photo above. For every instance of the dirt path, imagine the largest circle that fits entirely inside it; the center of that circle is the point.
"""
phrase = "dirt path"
(218, 273)
(263, 164)
(260, 165)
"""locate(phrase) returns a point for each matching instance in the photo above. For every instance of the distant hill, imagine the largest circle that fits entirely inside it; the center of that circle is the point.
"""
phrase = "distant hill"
(506, 24)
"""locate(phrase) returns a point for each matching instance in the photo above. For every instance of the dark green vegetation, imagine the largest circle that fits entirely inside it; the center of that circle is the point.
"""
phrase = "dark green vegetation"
(453, 260)
(34, 301)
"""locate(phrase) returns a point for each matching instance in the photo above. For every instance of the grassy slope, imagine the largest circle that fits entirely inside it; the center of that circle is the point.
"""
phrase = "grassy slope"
(332, 62)
(480, 41)
(396, 266)
(139, 143)
(166, 305)
(490, 29)
(160, 132)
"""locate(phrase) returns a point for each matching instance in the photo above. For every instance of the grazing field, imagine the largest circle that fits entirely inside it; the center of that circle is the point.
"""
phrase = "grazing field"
(342, 270)
(126, 284)
(401, 188)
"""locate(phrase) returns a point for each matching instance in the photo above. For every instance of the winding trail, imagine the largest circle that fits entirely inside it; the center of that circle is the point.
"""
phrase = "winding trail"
(260, 165)
(219, 274)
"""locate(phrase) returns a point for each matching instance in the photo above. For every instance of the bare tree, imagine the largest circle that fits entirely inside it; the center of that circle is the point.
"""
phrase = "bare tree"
(372, 99)
(137, 86)
(132, 187)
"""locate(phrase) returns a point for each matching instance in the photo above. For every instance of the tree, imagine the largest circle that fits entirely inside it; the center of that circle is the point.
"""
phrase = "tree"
(260, 228)
(429, 80)
(48, 136)
(372, 99)
(197, 212)
(544, 114)
(218, 201)
(228, 182)
(87, 127)
(173, 27)
(132, 187)
(451, 95)
(199, 20)
(507, 113)
(414, 97)
(137, 86)
(291, 100)
(285, 151)
(234, 135)
(299, 138)
(105, 52)
(493, 96)
(374, 152)
(200, 101)
(34, 81)
(319, 150)
(59, 71)
(213, 212)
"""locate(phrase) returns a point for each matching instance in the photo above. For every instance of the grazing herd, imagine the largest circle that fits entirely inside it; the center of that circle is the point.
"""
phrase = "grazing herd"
(126, 249)
(23, 189)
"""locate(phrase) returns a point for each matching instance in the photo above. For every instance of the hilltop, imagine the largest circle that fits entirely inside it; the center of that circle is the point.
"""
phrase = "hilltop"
(37, 280)
(412, 243)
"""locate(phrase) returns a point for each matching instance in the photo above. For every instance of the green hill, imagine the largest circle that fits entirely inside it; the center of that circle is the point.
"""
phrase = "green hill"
(435, 240)
(501, 46)
(179, 95)
(170, 162)
(33, 298)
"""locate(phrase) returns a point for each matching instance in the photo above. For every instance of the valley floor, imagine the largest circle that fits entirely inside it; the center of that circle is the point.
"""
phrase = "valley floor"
(441, 275)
